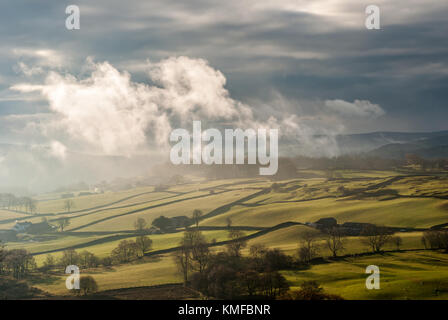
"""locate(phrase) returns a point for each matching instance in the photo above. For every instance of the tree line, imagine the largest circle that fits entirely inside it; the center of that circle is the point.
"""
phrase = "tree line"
(12, 202)
(17, 263)
(228, 274)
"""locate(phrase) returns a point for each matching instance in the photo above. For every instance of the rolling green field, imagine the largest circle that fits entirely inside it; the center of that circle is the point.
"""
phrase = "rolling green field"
(98, 222)
(103, 249)
(416, 275)
(154, 271)
(288, 241)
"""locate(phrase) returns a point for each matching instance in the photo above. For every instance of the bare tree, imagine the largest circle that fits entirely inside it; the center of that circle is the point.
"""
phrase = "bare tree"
(397, 241)
(69, 257)
(62, 223)
(193, 254)
(335, 241)
(197, 214)
(237, 243)
(140, 224)
(200, 253)
(435, 239)
(182, 258)
(424, 242)
(375, 237)
(19, 262)
(30, 204)
(273, 284)
(228, 222)
(251, 281)
(258, 253)
(68, 205)
(308, 248)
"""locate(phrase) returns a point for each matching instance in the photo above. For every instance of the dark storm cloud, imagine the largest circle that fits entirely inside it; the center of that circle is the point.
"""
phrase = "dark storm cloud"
(277, 56)
(303, 51)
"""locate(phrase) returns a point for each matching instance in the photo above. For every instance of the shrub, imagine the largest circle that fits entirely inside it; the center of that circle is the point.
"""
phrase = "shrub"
(88, 285)
(310, 290)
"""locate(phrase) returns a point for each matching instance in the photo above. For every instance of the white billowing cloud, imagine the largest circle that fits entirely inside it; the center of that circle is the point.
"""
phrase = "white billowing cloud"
(108, 113)
(106, 110)
(192, 86)
(358, 108)
(115, 116)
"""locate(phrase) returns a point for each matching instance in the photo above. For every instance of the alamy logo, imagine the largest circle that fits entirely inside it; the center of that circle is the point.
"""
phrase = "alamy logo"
(373, 281)
(373, 18)
(183, 152)
(72, 22)
(72, 281)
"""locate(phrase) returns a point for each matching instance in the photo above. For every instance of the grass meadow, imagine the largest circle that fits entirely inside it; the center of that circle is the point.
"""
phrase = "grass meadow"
(99, 221)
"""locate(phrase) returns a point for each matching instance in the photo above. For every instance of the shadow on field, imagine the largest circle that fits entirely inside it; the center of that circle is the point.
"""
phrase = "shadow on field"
(43, 279)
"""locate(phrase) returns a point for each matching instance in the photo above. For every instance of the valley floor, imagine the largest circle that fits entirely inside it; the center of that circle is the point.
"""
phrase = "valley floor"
(272, 215)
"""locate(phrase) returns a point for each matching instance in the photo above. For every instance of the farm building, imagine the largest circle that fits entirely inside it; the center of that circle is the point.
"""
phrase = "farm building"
(21, 226)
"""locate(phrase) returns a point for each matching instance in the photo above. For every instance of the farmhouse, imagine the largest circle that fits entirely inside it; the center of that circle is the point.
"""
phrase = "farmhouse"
(21, 226)
(41, 227)
(326, 223)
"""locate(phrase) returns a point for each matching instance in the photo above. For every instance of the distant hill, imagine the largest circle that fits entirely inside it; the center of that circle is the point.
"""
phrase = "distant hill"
(399, 151)
(433, 146)
(395, 145)
(395, 141)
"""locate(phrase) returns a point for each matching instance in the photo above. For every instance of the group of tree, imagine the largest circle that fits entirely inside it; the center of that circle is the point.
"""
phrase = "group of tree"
(376, 237)
(16, 262)
(229, 274)
(165, 224)
(14, 289)
(11, 202)
(425, 164)
(367, 162)
(347, 162)
(334, 239)
(435, 239)
(83, 259)
(128, 250)
(309, 248)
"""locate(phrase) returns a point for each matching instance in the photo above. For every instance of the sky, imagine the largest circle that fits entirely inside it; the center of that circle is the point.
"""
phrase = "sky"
(135, 70)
